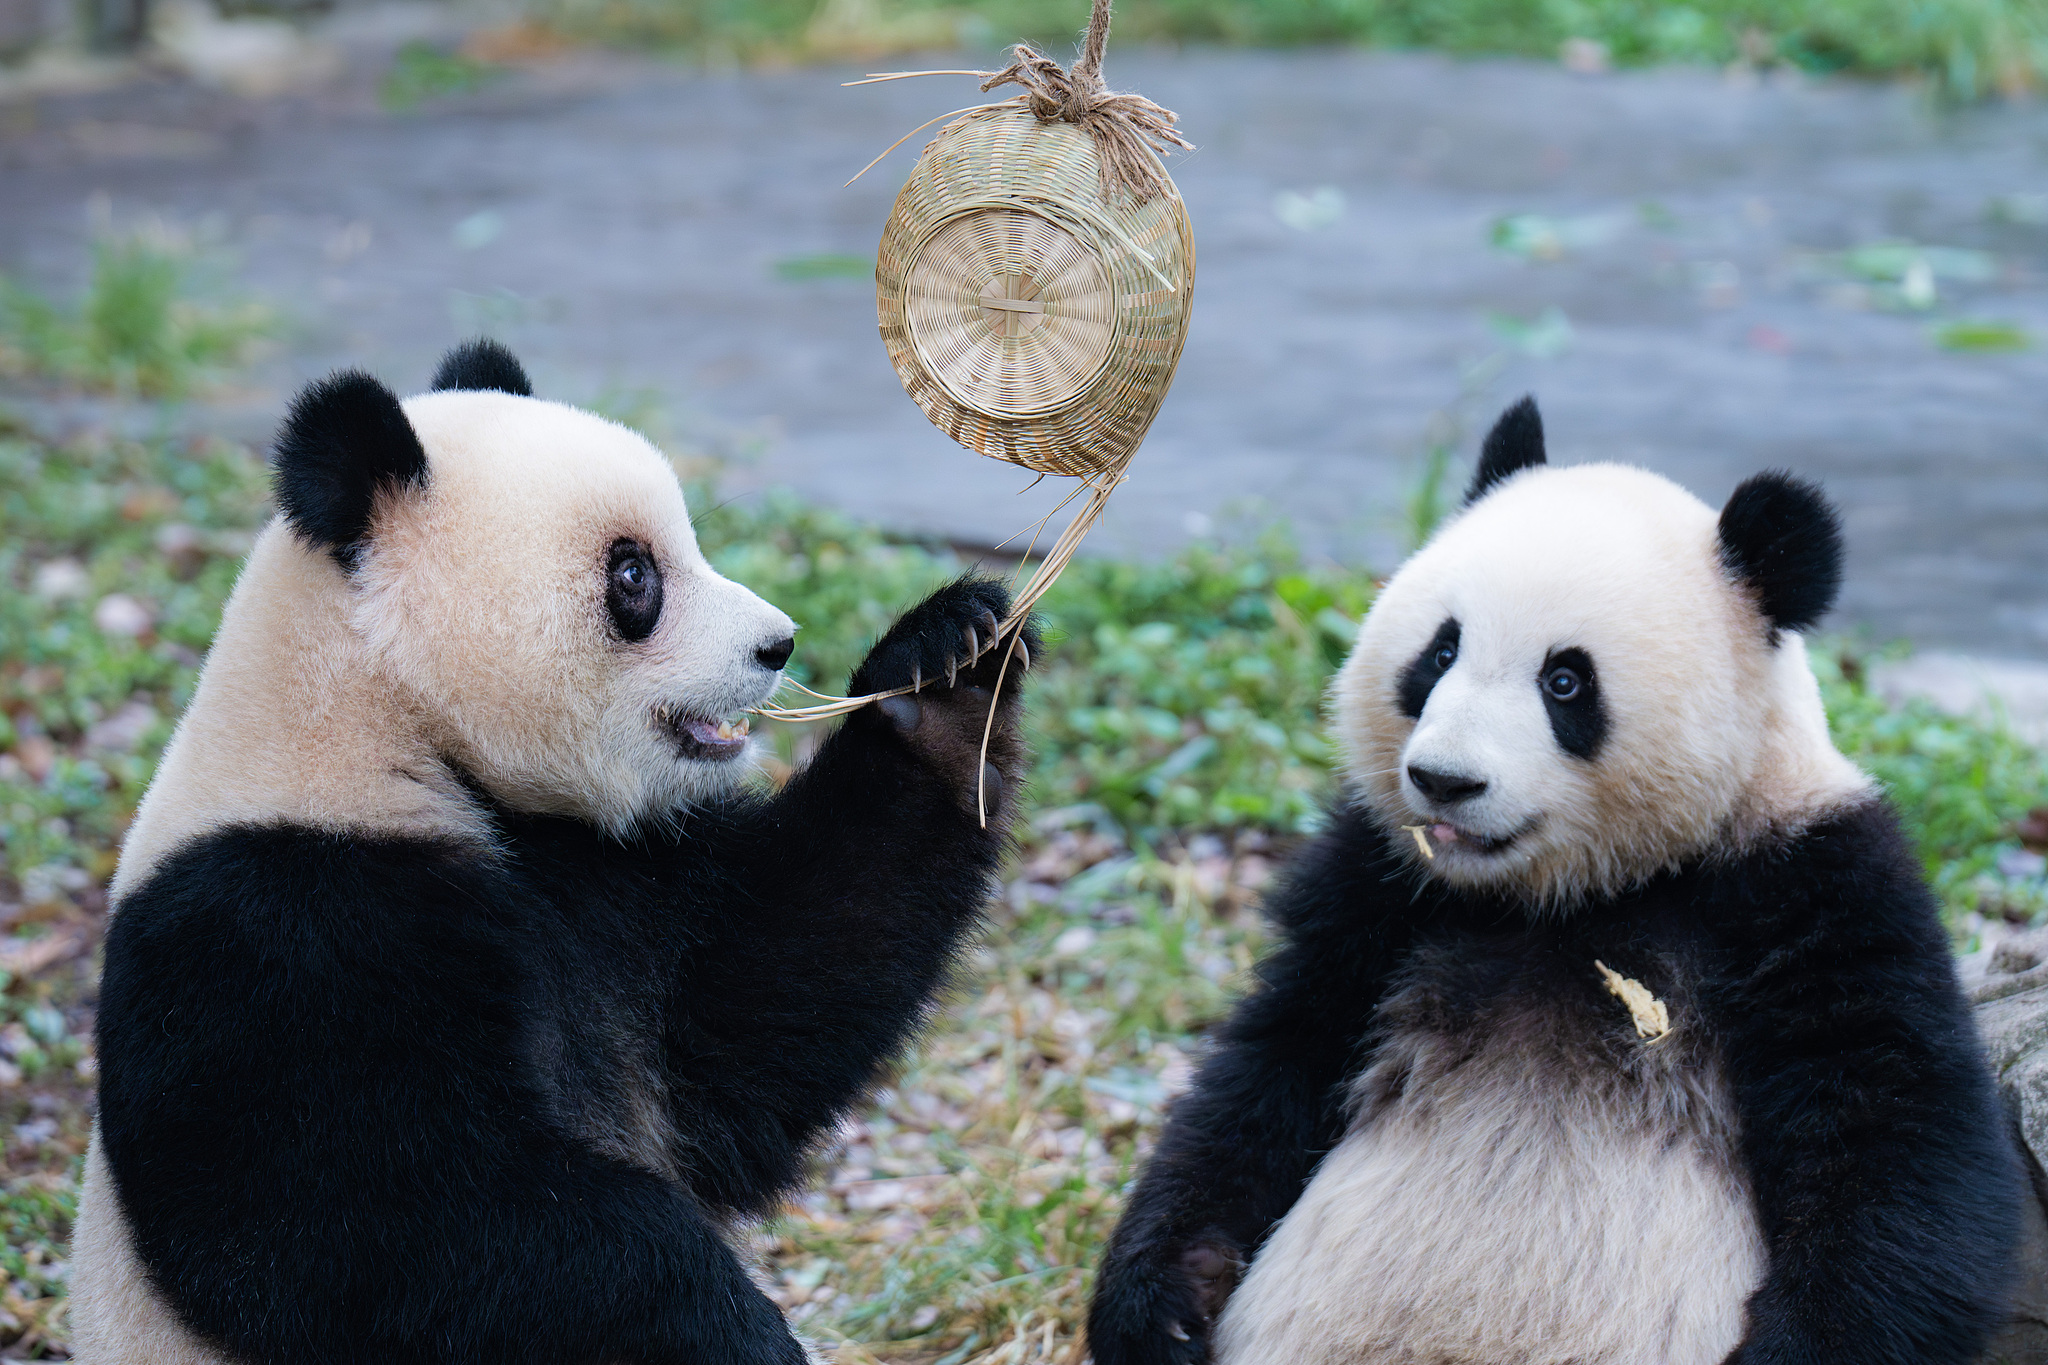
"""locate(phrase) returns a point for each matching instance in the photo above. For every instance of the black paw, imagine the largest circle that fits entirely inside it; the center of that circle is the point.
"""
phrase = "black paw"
(946, 641)
(1159, 1311)
(954, 722)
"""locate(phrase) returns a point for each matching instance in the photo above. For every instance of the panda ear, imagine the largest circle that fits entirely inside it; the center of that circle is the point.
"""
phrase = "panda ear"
(1514, 444)
(345, 438)
(1781, 538)
(482, 364)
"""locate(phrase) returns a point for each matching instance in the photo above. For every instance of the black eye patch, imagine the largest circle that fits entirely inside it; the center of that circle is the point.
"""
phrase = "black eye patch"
(1419, 679)
(632, 589)
(1571, 697)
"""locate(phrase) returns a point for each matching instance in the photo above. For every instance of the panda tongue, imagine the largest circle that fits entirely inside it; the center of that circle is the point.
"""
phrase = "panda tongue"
(1444, 834)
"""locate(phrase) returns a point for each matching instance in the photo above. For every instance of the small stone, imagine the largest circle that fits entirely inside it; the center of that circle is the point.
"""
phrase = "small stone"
(61, 579)
(121, 615)
(122, 732)
(1585, 56)
(2017, 864)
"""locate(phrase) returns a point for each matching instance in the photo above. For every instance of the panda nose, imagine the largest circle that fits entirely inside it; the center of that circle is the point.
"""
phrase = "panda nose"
(773, 657)
(1445, 788)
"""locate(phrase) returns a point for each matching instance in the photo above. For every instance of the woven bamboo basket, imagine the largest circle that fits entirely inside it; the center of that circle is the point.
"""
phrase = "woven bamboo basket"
(1033, 311)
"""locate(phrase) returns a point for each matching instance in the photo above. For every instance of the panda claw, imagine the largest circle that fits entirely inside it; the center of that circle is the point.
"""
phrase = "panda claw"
(1177, 1332)
(1023, 655)
(973, 645)
(952, 672)
(916, 678)
(988, 618)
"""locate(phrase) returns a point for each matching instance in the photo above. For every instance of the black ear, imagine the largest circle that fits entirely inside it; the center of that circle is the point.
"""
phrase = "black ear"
(1515, 443)
(482, 364)
(1781, 538)
(346, 437)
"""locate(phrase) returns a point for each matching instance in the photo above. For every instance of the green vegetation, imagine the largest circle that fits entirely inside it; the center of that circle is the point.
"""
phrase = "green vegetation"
(422, 72)
(1983, 337)
(139, 329)
(1968, 47)
(825, 265)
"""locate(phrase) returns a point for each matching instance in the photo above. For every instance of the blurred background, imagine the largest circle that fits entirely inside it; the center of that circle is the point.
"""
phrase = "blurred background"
(1711, 238)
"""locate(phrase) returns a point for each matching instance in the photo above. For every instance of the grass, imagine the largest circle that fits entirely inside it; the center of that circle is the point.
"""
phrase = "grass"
(1176, 723)
(1969, 48)
(421, 72)
(140, 328)
(1980, 337)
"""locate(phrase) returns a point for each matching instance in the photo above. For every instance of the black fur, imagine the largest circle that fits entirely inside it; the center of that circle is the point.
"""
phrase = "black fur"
(1886, 1185)
(482, 364)
(379, 1099)
(1781, 537)
(1420, 677)
(1514, 444)
(344, 440)
(1578, 725)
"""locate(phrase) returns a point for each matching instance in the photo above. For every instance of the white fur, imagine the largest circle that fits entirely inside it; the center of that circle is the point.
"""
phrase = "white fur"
(475, 630)
(1716, 734)
(1523, 1198)
(115, 1315)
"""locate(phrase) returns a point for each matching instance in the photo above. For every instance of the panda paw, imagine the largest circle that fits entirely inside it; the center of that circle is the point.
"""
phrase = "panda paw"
(1162, 1312)
(947, 652)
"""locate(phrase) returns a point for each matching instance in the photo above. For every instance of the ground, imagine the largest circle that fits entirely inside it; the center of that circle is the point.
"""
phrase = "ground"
(1687, 267)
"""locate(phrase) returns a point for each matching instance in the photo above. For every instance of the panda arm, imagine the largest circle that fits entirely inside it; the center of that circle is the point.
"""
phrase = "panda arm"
(849, 894)
(1265, 1106)
(330, 1140)
(1886, 1185)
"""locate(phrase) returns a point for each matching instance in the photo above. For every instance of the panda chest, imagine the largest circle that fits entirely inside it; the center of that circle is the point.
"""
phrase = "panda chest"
(1525, 1178)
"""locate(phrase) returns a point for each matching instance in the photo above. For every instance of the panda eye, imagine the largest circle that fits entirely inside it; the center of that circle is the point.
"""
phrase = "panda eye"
(1445, 657)
(1562, 684)
(632, 589)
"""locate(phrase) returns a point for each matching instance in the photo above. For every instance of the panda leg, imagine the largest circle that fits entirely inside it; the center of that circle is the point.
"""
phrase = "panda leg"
(858, 882)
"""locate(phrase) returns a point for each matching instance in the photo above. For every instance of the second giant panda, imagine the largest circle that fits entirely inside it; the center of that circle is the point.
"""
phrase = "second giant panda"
(1610, 1020)
(460, 999)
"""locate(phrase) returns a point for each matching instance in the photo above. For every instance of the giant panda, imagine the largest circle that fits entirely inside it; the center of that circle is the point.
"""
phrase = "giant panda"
(461, 998)
(1609, 1020)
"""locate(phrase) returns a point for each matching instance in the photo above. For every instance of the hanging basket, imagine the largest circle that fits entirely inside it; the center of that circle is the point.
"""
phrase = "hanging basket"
(1033, 286)
(1033, 307)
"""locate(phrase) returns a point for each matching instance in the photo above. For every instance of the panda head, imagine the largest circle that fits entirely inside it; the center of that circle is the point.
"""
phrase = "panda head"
(1589, 676)
(525, 577)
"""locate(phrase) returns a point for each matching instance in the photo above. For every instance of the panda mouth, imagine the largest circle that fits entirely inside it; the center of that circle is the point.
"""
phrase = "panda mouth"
(714, 741)
(1443, 834)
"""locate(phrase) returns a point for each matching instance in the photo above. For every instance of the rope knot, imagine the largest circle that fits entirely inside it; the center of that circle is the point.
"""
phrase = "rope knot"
(1126, 128)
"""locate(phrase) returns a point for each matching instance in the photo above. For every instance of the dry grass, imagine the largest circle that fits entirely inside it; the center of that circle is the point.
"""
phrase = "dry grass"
(958, 1219)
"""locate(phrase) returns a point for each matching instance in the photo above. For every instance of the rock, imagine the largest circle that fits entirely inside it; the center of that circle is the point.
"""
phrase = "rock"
(2009, 982)
(119, 614)
(247, 56)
